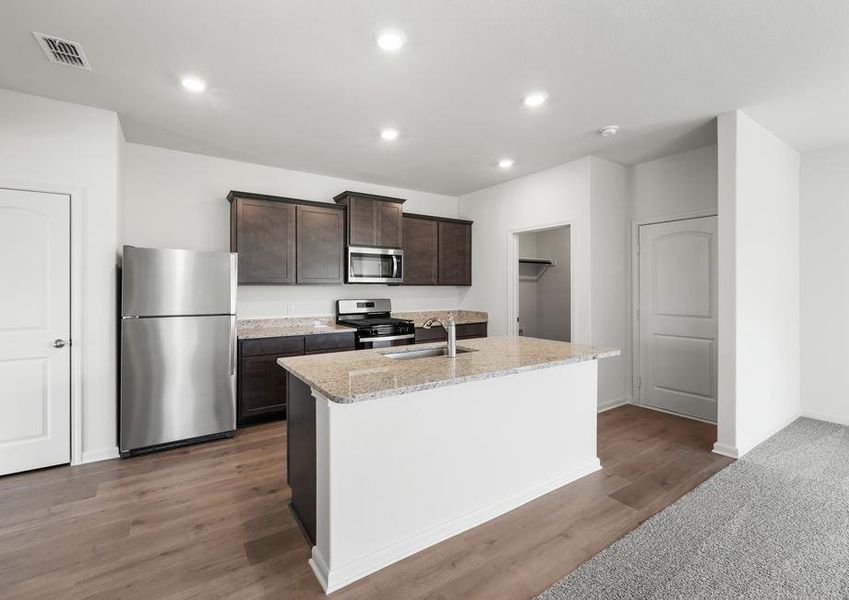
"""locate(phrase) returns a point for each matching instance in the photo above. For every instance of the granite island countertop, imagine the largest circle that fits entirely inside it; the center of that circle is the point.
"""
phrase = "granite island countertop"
(347, 377)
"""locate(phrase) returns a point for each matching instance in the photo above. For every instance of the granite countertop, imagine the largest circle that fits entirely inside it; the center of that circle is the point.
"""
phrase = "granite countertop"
(461, 317)
(288, 326)
(347, 377)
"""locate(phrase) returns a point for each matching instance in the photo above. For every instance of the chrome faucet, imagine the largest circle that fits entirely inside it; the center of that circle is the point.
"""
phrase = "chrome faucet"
(450, 328)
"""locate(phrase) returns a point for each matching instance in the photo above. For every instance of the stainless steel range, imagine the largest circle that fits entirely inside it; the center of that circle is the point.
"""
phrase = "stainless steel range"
(374, 323)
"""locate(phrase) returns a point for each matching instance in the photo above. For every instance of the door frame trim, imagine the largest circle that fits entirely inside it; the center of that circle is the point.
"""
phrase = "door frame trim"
(76, 198)
(513, 272)
(634, 290)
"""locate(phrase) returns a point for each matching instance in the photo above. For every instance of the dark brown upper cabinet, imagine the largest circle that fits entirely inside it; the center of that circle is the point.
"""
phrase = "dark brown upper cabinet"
(263, 233)
(421, 251)
(437, 250)
(373, 220)
(321, 244)
(285, 240)
(455, 252)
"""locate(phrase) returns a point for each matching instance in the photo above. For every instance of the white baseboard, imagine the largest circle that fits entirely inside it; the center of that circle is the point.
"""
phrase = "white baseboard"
(98, 454)
(610, 404)
(726, 450)
(675, 414)
(334, 579)
(831, 418)
(744, 449)
(319, 568)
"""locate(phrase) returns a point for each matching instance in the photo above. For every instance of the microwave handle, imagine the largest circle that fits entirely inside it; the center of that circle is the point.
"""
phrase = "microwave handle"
(396, 266)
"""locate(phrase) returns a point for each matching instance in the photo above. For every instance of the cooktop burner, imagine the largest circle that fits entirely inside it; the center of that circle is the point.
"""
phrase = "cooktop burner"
(371, 321)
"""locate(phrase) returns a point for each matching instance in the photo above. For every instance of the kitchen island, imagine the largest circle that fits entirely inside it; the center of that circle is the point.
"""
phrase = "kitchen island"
(389, 453)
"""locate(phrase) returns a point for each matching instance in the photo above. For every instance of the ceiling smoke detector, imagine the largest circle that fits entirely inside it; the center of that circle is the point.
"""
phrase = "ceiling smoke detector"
(608, 131)
(62, 52)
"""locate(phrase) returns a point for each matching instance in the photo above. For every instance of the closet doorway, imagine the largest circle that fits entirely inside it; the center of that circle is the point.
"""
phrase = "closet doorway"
(545, 284)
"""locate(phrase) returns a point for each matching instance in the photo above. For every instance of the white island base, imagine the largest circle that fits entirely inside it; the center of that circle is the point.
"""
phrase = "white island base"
(397, 474)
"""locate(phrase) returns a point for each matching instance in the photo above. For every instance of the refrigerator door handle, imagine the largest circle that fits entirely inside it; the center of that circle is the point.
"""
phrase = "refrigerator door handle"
(233, 345)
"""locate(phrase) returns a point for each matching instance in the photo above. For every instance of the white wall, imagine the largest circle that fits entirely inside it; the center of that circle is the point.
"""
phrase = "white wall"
(610, 263)
(825, 284)
(674, 185)
(759, 352)
(176, 199)
(589, 194)
(551, 197)
(62, 146)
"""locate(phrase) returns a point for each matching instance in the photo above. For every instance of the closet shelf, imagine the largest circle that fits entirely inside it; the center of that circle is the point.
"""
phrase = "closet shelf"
(536, 268)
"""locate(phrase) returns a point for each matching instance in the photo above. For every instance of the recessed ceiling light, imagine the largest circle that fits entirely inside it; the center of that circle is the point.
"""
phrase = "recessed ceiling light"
(391, 40)
(389, 134)
(608, 131)
(193, 84)
(505, 163)
(535, 99)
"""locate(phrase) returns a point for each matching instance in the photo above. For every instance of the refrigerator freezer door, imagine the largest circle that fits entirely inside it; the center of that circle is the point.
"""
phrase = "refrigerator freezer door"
(163, 282)
(177, 379)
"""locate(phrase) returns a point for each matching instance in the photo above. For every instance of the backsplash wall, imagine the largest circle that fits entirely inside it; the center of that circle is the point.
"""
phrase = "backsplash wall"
(174, 199)
(315, 300)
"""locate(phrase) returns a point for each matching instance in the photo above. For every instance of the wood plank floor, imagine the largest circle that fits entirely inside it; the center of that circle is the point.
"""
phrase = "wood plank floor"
(212, 521)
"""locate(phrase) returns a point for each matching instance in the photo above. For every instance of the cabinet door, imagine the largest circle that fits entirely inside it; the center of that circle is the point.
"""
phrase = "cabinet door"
(321, 245)
(421, 258)
(390, 228)
(262, 386)
(265, 240)
(362, 230)
(455, 253)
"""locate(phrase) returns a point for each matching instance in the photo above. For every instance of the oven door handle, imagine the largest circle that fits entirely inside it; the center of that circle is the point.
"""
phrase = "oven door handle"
(389, 338)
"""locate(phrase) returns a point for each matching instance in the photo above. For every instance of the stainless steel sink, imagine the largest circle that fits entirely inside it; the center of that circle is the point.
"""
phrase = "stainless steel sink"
(425, 353)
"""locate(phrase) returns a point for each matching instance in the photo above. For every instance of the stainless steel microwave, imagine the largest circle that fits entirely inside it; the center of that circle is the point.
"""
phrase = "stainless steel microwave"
(375, 265)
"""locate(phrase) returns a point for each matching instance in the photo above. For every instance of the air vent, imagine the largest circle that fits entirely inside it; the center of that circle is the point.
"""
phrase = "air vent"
(62, 52)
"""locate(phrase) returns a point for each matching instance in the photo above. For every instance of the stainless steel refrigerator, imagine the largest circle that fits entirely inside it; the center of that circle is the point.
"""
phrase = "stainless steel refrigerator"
(178, 348)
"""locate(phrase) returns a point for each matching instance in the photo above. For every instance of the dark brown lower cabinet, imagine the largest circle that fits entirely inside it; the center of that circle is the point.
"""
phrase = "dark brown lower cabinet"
(465, 331)
(300, 453)
(261, 388)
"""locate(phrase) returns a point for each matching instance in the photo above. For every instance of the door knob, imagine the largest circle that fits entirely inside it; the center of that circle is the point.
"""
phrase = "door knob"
(59, 343)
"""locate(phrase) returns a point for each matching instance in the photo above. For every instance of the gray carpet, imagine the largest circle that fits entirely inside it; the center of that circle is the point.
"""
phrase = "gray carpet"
(775, 524)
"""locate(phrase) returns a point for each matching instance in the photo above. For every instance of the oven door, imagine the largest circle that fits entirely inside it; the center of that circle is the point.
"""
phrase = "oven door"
(375, 265)
(386, 341)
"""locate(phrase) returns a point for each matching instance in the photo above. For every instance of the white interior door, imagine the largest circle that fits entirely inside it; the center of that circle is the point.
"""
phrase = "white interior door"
(678, 316)
(35, 380)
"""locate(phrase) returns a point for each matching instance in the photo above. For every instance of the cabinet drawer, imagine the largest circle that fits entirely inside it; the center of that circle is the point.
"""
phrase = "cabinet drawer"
(275, 345)
(329, 342)
(471, 330)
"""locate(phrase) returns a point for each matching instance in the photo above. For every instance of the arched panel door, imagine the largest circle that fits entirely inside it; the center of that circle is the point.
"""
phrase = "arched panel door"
(678, 317)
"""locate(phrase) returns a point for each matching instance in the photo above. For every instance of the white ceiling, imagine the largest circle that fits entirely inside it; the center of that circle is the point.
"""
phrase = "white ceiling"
(301, 84)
